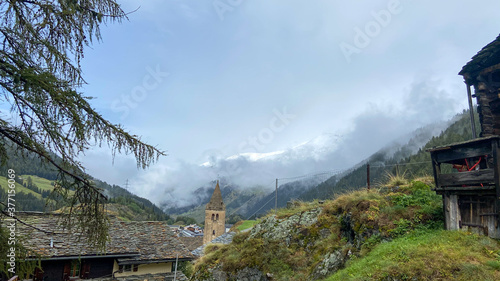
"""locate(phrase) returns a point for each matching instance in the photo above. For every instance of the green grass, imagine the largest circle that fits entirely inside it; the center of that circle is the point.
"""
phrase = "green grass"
(428, 255)
(43, 184)
(378, 215)
(247, 224)
(19, 188)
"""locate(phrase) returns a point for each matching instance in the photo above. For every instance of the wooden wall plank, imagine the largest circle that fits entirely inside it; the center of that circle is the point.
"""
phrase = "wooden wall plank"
(463, 152)
(485, 176)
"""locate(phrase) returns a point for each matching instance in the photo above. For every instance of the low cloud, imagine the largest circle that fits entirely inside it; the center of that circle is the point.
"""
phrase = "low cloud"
(180, 183)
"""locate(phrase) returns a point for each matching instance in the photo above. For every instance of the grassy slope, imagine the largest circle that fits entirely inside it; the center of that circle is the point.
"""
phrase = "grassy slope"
(127, 213)
(410, 217)
(19, 188)
(246, 224)
(43, 184)
(430, 255)
(123, 212)
(387, 213)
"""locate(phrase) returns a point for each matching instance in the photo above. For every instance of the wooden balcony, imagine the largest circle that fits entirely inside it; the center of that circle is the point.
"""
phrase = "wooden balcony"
(470, 167)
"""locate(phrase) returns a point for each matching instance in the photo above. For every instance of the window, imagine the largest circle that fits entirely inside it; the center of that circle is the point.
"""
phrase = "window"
(125, 268)
(213, 232)
(213, 216)
(74, 269)
(217, 217)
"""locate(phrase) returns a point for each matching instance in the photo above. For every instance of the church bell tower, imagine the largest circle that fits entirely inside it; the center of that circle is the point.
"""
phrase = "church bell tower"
(215, 217)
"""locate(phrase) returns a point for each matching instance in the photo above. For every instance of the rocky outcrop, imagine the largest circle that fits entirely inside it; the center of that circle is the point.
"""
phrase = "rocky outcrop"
(331, 263)
(246, 274)
(311, 241)
(298, 229)
(273, 228)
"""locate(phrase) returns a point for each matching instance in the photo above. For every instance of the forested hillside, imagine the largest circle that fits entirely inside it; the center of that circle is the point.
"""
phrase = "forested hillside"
(409, 159)
(403, 162)
(35, 181)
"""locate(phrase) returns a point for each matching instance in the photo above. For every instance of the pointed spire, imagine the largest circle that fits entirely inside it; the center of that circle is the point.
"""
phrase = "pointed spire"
(216, 203)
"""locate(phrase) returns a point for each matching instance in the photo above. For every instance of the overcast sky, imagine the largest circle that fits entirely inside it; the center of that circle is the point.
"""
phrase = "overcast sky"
(198, 78)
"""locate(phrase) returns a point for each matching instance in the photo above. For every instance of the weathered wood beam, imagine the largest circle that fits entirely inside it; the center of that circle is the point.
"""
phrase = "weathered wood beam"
(457, 153)
(487, 70)
(485, 176)
(471, 110)
(496, 168)
(466, 189)
(436, 169)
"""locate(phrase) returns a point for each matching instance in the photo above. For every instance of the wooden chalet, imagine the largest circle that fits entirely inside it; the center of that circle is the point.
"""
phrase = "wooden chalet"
(467, 174)
(139, 250)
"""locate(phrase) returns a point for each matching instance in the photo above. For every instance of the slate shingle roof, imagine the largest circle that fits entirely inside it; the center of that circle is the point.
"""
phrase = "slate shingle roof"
(141, 240)
(192, 242)
(486, 57)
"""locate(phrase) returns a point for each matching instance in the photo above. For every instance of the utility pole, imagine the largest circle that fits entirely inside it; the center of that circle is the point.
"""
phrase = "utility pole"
(126, 185)
(175, 272)
(368, 176)
(276, 199)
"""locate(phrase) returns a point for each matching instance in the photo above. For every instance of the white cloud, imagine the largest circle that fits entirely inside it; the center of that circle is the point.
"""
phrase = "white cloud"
(228, 76)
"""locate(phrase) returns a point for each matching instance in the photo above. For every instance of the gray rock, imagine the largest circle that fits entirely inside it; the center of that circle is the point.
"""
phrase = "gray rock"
(330, 264)
(282, 229)
(219, 275)
(250, 274)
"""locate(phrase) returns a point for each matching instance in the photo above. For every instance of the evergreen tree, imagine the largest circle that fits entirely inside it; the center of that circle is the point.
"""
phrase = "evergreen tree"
(40, 78)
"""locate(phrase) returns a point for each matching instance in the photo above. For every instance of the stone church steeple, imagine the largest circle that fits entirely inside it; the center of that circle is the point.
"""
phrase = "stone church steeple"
(215, 217)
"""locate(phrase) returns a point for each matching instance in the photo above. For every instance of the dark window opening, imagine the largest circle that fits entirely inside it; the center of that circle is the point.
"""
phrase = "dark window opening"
(495, 77)
(125, 268)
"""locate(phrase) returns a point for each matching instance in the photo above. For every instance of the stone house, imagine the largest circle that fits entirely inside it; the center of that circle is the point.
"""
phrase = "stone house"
(138, 250)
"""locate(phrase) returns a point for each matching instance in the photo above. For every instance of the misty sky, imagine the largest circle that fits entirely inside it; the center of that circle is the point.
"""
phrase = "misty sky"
(202, 79)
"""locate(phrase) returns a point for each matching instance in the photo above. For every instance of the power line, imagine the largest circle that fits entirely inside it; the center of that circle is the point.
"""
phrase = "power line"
(265, 204)
(314, 174)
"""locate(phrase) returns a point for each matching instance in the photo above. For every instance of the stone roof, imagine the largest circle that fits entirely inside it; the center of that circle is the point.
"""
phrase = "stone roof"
(225, 238)
(170, 276)
(216, 203)
(192, 242)
(139, 241)
(486, 57)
